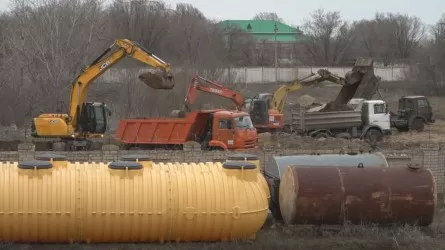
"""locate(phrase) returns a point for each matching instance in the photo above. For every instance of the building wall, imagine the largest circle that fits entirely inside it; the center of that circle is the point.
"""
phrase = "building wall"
(262, 75)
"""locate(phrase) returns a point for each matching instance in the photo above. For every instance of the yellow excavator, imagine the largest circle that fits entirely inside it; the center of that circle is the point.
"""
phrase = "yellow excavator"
(266, 109)
(89, 120)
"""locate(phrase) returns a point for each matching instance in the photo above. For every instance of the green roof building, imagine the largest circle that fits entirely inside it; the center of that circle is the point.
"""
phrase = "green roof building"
(264, 30)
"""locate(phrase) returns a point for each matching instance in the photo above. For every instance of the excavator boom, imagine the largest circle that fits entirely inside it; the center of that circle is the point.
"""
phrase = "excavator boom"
(280, 95)
(158, 80)
(86, 120)
(214, 88)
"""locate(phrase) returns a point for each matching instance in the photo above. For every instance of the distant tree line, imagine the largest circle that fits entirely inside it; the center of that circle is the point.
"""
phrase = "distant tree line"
(44, 44)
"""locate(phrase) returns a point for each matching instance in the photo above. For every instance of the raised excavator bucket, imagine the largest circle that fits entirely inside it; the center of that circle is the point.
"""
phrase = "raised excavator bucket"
(361, 82)
(158, 79)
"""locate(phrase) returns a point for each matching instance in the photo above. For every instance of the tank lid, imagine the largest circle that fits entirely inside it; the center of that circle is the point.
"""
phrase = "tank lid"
(49, 156)
(35, 164)
(238, 165)
(248, 157)
(124, 165)
(135, 157)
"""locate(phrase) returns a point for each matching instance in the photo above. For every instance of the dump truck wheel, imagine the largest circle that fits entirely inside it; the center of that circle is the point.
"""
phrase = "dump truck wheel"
(418, 125)
(321, 135)
(374, 135)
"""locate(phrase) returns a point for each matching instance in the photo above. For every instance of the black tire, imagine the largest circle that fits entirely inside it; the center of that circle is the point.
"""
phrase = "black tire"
(418, 125)
(216, 149)
(321, 135)
(346, 136)
(374, 135)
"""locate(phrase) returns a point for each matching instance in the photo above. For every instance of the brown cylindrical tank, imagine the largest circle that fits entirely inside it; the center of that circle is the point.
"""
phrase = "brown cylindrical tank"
(380, 195)
(130, 201)
(276, 166)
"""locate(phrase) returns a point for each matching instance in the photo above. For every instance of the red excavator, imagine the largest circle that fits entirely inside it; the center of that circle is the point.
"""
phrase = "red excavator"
(214, 88)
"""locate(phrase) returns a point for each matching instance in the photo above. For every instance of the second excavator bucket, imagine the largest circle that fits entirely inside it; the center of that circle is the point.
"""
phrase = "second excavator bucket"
(360, 82)
(158, 80)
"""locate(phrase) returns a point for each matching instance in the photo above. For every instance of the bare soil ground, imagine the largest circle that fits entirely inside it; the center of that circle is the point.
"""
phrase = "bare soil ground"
(10, 137)
(299, 237)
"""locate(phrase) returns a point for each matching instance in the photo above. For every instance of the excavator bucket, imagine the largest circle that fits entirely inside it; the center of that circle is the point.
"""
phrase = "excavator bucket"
(360, 82)
(158, 80)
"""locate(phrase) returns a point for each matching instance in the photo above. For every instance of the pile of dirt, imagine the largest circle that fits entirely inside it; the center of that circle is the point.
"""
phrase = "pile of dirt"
(333, 106)
(292, 141)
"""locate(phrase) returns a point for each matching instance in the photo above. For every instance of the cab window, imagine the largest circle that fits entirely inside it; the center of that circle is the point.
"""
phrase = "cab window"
(225, 124)
(379, 109)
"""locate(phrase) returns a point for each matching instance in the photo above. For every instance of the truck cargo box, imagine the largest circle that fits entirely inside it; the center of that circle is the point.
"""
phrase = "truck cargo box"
(162, 130)
(326, 120)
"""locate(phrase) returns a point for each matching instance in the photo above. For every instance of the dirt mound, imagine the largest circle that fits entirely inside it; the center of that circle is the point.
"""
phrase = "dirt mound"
(333, 106)
(292, 141)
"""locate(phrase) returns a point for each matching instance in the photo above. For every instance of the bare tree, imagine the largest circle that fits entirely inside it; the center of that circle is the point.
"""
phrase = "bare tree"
(146, 22)
(329, 37)
(47, 40)
(268, 16)
(391, 36)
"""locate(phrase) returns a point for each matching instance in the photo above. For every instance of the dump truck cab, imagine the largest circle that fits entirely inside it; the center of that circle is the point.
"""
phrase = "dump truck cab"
(413, 113)
(231, 130)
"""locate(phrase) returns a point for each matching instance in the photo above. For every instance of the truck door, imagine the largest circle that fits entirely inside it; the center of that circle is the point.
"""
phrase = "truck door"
(379, 116)
(224, 132)
(424, 108)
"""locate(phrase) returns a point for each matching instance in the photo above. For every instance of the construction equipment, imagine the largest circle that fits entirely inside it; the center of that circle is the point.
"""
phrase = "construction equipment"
(366, 119)
(212, 129)
(266, 109)
(88, 120)
(413, 113)
(212, 88)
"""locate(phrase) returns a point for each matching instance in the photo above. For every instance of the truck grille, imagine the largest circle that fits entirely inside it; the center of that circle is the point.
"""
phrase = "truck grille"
(249, 143)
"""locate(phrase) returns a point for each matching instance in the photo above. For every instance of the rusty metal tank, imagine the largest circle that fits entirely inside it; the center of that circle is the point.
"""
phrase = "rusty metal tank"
(136, 200)
(359, 195)
(276, 165)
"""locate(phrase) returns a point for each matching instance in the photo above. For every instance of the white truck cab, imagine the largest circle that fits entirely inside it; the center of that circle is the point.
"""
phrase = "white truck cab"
(374, 112)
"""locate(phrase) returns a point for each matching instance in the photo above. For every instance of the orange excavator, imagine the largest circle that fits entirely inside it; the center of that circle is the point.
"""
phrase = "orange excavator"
(211, 87)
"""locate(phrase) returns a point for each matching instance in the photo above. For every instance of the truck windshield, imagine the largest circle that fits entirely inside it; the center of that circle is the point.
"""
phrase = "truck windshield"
(243, 122)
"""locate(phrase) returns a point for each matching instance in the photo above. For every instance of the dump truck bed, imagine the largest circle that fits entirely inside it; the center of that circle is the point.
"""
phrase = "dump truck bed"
(162, 130)
(326, 120)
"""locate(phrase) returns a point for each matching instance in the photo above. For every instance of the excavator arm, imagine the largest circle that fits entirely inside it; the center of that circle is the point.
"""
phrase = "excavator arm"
(279, 97)
(214, 88)
(164, 80)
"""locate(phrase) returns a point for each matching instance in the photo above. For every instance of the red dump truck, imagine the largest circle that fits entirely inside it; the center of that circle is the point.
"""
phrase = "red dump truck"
(213, 129)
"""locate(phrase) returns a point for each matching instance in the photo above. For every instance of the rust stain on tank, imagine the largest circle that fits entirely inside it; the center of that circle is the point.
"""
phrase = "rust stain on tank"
(333, 195)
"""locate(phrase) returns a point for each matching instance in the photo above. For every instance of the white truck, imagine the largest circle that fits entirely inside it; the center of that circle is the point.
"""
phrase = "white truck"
(367, 119)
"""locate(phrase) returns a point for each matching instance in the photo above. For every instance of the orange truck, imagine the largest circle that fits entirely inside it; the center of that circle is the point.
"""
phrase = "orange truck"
(214, 129)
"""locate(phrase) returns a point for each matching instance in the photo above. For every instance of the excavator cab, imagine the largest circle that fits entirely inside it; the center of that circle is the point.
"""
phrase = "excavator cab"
(259, 112)
(93, 117)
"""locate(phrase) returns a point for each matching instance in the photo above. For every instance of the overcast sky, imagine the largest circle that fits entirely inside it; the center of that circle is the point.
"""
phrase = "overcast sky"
(295, 11)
